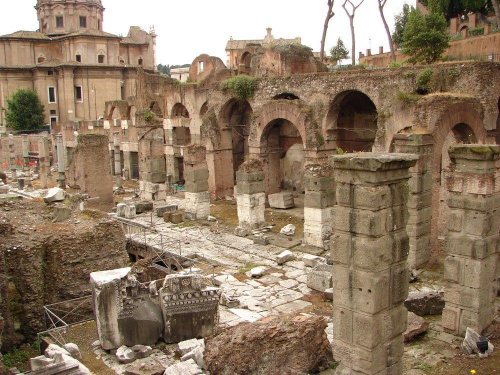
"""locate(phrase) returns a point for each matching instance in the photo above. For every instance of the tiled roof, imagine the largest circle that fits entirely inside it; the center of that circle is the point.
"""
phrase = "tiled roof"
(88, 32)
(26, 35)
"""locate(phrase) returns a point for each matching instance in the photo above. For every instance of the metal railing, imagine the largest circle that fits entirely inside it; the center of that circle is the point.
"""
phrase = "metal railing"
(59, 317)
(493, 57)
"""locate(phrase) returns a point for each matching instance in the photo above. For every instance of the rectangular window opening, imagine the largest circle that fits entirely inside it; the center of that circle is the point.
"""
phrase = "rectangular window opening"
(83, 21)
(50, 73)
(78, 58)
(78, 94)
(59, 21)
(52, 95)
(100, 59)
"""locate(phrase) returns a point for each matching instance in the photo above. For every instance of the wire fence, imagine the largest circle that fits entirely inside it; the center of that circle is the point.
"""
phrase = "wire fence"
(492, 57)
(59, 317)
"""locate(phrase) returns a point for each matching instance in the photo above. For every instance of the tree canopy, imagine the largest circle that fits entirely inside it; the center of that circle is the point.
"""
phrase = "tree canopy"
(400, 22)
(25, 111)
(424, 37)
(454, 8)
(339, 52)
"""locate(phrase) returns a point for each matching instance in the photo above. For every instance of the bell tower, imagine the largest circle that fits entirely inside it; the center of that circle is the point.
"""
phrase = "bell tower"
(60, 17)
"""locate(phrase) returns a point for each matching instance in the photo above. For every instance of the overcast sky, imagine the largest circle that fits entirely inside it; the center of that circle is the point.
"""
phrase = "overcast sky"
(188, 28)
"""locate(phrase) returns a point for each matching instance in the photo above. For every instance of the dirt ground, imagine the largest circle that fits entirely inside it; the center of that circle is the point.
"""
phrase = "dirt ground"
(225, 211)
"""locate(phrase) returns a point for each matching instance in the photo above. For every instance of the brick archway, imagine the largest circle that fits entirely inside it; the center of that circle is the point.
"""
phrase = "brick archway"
(456, 114)
(280, 109)
(351, 121)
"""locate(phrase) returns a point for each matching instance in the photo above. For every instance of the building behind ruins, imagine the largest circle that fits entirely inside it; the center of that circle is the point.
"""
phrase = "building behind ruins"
(71, 62)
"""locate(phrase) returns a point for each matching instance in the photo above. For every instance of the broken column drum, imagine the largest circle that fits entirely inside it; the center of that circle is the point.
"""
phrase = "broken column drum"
(369, 250)
(472, 243)
(189, 305)
(197, 197)
(250, 196)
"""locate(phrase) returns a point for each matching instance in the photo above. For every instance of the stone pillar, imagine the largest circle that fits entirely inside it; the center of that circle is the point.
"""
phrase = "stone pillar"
(473, 237)
(26, 154)
(419, 202)
(369, 252)
(250, 196)
(43, 159)
(197, 197)
(12, 156)
(318, 204)
(61, 162)
(152, 171)
(118, 161)
(26, 163)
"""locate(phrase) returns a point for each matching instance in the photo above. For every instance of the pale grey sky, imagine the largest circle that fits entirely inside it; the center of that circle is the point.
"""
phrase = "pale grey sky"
(188, 28)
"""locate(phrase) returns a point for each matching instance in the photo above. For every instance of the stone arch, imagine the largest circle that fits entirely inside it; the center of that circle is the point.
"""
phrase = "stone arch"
(246, 62)
(286, 96)
(179, 110)
(236, 116)
(460, 123)
(282, 154)
(351, 121)
(203, 109)
(280, 109)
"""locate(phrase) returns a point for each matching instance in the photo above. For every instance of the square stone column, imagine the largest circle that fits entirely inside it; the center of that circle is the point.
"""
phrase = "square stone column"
(369, 251)
(472, 245)
(250, 196)
(44, 159)
(318, 203)
(197, 197)
(419, 202)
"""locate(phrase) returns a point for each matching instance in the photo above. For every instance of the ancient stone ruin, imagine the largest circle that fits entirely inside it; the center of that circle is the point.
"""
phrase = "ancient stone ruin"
(130, 313)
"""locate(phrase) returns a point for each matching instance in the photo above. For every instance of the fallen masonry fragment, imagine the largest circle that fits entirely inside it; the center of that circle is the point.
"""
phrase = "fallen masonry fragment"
(296, 343)
(130, 313)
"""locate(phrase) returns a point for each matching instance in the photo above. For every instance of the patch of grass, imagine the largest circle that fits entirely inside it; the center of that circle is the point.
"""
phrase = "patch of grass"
(242, 87)
(424, 80)
(185, 224)
(19, 357)
(248, 267)
(425, 367)
(407, 97)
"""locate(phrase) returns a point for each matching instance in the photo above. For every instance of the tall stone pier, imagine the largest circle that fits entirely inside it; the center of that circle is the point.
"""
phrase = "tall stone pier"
(472, 244)
(44, 159)
(197, 197)
(318, 204)
(12, 157)
(420, 198)
(369, 250)
(250, 196)
(61, 161)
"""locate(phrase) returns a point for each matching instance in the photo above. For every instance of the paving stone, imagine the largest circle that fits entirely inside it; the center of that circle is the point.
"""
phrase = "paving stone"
(290, 283)
(246, 315)
(293, 306)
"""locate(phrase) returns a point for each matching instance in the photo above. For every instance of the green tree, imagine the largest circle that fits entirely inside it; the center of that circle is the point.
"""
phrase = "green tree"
(454, 8)
(424, 37)
(339, 52)
(25, 111)
(400, 22)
